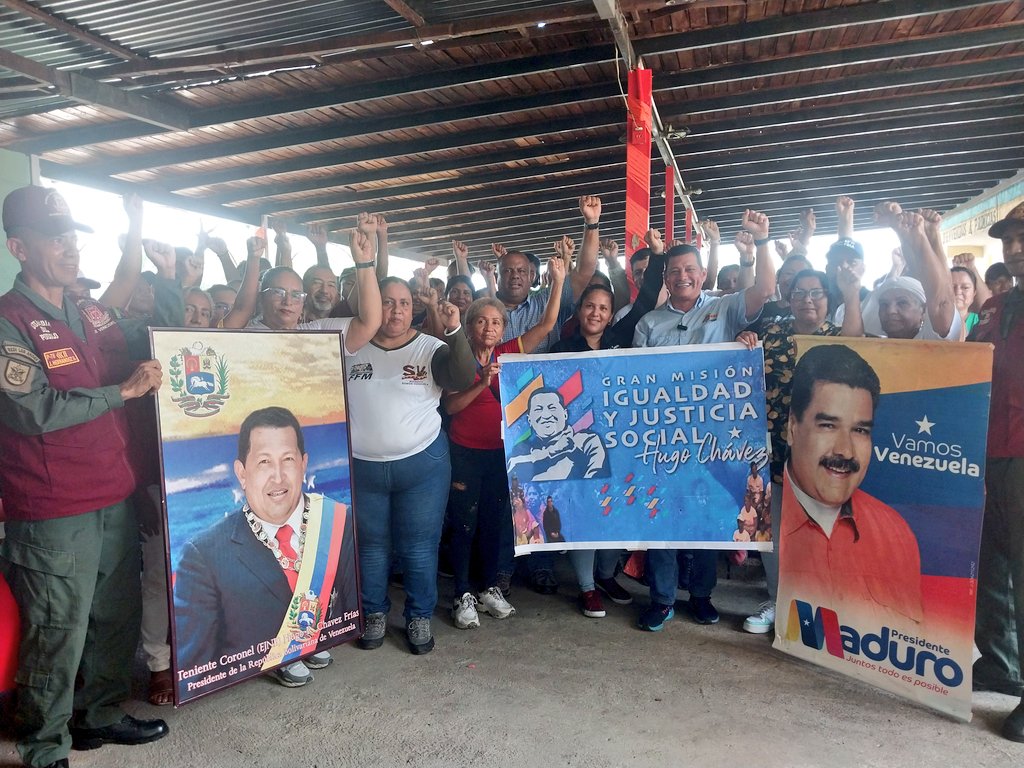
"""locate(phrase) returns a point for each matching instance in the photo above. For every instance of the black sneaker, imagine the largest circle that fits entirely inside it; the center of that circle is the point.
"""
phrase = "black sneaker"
(703, 611)
(543, 581)
(614, 591)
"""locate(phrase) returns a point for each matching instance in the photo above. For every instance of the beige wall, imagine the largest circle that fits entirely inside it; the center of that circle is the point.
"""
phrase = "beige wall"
(15, 171)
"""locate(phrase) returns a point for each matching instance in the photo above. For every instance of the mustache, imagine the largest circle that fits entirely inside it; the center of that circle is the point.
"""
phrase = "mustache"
(840, 464)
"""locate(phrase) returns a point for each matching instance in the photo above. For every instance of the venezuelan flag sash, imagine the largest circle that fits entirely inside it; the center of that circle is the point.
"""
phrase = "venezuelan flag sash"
(300, 628)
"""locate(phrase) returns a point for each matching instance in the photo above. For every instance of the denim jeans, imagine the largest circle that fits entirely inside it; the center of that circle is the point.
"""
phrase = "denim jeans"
(583, 561)
(399, 507)
(480, 515)
(663, 573)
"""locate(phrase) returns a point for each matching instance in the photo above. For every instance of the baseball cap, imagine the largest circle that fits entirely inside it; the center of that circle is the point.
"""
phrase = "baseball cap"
(41, 209)
(1016, 215)
(846, 244)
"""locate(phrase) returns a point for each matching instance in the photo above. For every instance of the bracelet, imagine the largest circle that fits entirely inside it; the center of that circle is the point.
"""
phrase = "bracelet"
(595, 225)
(762, 241)
(453, 331)
(746, 264)
(365, 265)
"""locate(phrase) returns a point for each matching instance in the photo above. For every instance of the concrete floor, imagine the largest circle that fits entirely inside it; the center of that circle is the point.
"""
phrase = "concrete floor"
(549, 687)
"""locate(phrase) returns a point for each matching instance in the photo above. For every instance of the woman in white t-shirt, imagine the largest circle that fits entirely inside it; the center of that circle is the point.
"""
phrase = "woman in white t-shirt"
(401, 468)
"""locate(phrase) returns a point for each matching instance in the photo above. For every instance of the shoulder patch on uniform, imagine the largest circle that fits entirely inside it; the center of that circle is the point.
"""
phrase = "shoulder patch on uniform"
(17, 350)
(17, 375)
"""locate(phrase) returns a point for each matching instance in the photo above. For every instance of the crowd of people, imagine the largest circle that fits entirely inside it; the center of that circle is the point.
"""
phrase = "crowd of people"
(428, 462)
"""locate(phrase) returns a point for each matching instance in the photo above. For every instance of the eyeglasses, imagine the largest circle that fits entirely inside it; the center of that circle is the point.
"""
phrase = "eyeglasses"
(221, 306)
(814, 295)
(279, 294)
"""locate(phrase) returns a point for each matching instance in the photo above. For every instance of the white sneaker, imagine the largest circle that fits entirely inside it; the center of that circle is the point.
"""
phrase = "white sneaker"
(494, 603)
(762, 621)
(464, 612)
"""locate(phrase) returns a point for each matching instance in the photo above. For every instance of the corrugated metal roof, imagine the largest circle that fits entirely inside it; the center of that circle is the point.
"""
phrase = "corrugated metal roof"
(317, 109)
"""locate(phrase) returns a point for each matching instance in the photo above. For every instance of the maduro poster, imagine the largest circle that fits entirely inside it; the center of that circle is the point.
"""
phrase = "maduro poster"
(259, 521)
(637, 448)
(882, 508)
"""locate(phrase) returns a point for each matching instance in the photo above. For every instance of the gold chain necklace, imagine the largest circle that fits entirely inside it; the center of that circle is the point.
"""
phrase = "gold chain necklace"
(272, 544)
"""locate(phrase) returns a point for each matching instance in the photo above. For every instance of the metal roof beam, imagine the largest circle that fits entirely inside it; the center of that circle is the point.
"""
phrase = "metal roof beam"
(813, 21)
(869, 109)
(86, 91)
(925, 126)
(79, 33)
(941, 73)
(359, 41)
(348, 94)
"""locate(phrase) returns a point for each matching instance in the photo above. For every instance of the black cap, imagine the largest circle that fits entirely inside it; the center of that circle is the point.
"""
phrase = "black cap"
(38, 208)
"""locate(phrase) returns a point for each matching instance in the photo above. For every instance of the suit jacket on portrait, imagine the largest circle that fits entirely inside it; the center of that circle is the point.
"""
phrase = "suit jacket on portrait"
(230, 592)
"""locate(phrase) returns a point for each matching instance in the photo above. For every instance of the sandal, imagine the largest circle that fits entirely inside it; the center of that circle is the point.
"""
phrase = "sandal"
(161, 688)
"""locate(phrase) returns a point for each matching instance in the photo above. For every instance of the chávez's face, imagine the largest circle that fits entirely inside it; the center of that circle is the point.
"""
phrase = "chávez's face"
(272, 473)
(830, 447)
(547, 415)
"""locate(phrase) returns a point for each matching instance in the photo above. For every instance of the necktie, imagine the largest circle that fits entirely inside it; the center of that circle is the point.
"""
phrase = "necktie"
(284, 541)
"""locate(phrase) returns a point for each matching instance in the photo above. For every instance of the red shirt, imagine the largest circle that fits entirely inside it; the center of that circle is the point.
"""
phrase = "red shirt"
(870, 561)
(1006, 414)
(478, 425)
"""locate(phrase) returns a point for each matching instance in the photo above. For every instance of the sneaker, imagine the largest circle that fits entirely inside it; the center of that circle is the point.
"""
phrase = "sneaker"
(318, 660)
(762, 621)
(591, 605)
(293, 675)
(418, 633)
(464, 612)
(703, 611)
(494, 603)
(615, 592)
(504, 582)
(373, 634)
(543, 581)
(654, 618)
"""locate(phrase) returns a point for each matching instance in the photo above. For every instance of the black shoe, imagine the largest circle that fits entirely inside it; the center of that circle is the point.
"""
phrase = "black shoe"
(614, 591)
(62, 763)
(543, 581)
(703, 611)
(1013, 726)
(128, 731)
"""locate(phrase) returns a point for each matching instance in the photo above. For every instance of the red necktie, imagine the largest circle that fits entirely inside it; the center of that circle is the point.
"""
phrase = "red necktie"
(284, 541)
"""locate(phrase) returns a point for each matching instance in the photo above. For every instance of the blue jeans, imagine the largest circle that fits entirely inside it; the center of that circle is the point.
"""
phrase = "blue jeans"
(583, 561)
(400, 507)
(663, 573)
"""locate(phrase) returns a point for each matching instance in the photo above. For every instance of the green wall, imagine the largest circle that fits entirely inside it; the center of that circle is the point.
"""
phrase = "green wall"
(15, 172)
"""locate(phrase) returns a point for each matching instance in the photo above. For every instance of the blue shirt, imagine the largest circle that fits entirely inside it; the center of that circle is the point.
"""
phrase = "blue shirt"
(712, 320)
(527, 314)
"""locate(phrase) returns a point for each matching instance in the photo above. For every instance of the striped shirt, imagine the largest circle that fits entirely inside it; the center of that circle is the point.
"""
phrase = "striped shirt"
(527, 314)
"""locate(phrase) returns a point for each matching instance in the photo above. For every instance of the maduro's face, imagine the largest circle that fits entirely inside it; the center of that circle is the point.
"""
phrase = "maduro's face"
(830, 445)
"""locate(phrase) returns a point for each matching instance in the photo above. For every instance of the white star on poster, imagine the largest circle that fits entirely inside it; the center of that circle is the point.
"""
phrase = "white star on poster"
(735, 433)
(924, 425)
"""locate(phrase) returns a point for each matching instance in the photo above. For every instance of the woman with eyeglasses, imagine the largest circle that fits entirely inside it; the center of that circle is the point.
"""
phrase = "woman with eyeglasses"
(280, 304)
(808, 302)
(401, 467)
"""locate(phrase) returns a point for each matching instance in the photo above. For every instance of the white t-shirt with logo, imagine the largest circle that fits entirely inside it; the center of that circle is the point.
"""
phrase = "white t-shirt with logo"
(393, 399)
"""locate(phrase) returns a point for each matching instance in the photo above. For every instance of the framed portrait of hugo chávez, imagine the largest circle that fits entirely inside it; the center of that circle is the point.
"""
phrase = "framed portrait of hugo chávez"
(261, 551)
